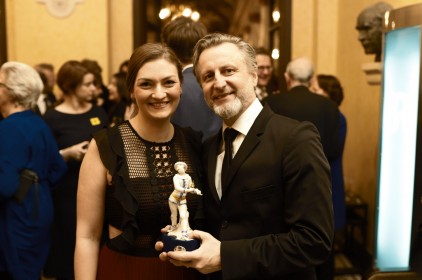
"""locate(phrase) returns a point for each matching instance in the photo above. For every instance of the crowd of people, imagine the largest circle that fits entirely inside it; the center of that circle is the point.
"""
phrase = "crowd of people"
(86, 175)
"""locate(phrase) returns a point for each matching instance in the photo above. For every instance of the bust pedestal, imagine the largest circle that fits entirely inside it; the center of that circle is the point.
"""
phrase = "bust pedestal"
(373, 72)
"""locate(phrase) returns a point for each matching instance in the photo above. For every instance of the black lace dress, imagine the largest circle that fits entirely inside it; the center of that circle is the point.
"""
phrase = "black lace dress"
(137, 200)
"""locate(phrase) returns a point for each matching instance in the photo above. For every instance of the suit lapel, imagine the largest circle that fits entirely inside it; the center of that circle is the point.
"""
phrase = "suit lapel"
(251, 140)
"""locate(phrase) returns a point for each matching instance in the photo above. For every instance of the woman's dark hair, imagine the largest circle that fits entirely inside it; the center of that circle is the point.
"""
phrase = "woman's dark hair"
(147, 53)
(120, 78)
(70, 76)
(331, 85)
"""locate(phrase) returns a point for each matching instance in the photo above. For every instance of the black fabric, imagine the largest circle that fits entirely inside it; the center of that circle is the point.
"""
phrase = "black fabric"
(142, 172)
(229, 136)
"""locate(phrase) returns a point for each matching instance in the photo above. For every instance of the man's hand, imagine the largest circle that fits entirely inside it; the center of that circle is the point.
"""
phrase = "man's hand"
(159, 245)
(206, 259)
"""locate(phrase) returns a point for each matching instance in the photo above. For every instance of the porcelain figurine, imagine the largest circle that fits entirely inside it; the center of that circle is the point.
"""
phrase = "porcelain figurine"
(177, 237)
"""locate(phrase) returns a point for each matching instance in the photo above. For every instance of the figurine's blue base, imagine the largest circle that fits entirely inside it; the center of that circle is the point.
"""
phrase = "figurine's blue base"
(173, 244)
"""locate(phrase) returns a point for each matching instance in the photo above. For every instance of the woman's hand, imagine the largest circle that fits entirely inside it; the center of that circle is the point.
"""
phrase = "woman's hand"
(75, 152)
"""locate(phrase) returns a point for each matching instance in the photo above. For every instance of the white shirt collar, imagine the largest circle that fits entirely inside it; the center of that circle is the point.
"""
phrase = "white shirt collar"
(244, 123)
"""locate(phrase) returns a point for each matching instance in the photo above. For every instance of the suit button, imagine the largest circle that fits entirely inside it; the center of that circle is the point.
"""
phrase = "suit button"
(224, 224)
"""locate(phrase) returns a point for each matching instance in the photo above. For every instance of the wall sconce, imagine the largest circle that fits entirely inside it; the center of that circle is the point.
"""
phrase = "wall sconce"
(174, 11)
(275, 54)
(276, 16)
(60, 8)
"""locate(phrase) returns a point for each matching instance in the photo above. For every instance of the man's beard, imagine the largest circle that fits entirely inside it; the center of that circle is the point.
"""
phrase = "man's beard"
(229, 110)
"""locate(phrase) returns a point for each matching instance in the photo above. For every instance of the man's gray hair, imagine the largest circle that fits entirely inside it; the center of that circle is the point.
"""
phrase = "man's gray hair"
(23, 82)
(216, 39)
(301, 70)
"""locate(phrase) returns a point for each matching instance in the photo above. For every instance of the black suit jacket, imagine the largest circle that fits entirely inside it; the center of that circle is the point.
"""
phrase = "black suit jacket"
(275, 217)
(301, 104)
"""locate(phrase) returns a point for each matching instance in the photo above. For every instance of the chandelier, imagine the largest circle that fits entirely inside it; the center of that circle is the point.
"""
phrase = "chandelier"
(174, 11)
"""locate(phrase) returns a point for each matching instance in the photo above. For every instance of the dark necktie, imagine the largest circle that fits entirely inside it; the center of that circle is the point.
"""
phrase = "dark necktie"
(229, 135)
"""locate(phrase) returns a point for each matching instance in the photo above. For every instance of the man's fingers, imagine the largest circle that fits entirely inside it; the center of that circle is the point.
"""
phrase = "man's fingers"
(159, 246)
(163, 256)
(180, 263)
(197, 234)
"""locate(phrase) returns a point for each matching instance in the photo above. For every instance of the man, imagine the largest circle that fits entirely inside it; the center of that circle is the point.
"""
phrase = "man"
(181, 35)
(301, 104)
(267, 82)
(370, 27)
(270, 216)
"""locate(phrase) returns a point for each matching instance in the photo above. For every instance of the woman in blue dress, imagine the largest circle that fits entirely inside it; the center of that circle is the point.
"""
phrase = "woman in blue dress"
(26, 143)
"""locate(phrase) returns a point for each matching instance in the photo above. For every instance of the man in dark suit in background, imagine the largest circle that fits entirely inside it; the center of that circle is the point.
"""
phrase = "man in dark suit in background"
(301, 104)
(181, 35)
(269, 216)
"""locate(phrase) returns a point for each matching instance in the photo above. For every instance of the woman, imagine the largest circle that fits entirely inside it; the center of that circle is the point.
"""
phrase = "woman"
(120, 104)
(128, 171)
(73, 123)
(27, 148)
(330, 87)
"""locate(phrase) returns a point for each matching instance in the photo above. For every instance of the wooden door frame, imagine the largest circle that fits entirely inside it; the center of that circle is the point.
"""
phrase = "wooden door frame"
(3, 36)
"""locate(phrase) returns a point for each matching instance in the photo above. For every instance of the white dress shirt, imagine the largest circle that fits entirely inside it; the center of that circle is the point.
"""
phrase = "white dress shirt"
(243, 124)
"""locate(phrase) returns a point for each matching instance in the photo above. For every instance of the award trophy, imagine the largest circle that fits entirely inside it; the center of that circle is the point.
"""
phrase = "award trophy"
(177, 237)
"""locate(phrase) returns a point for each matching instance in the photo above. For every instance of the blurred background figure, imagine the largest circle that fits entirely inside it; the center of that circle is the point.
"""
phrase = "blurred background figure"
(121, 106)
(29, 164)
(181, 35)
(73, 122)
(370, 27)
(124, 66)
(329, 86)
(47, 98)
(267, 82)
(101, 92)
(301, 104)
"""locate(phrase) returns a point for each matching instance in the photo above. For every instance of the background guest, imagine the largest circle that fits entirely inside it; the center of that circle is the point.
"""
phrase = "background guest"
(267, 82)
(101, 92)
(181, 35)
(121, 106)
(47, 98)
(123, 66)
(73, 122)
(301, 104)
(330, 87)
(26, 143)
